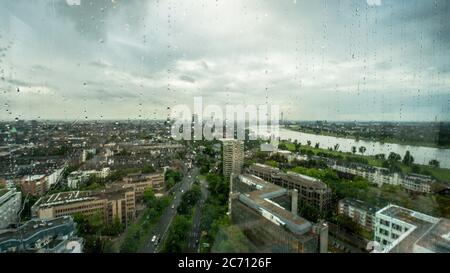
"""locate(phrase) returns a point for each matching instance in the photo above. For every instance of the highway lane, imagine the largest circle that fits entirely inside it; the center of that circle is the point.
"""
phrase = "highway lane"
(162, 226)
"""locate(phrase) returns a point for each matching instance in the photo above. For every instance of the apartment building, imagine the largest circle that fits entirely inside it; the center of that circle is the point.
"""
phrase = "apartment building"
(381, 176)
(361, 212)
(141, 182)
(233, 157)
(401, 230)
(115, 202)
(311, 191)
(10, 204)
(55, 176)
(34, 185)
(79, 178)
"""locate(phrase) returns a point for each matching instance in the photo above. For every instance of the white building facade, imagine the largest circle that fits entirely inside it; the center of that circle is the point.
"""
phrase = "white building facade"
(398, 229)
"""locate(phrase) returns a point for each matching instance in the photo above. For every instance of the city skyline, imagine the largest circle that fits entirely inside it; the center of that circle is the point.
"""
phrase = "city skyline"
(374, 60)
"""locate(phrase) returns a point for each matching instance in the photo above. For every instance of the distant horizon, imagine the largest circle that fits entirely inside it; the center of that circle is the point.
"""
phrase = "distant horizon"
(163, 120)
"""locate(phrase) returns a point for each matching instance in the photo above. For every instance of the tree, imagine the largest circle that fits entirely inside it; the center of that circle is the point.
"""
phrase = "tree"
(362, 149)
(189, 199)
(308, 142)
(408, 159)
(176, 238)
(148, 169)
(348, 223)
(172, 177)
(393, 166)
(115, 229)
(394, 157)
(353, 150)
(317, 145)
(336, 147)
(282, 146)
(149, 197)
(380, 156)
(434, 163)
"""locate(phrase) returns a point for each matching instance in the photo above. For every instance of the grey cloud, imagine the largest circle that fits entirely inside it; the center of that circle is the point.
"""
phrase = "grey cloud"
(187, 79)
(324, 59)
(18, 82)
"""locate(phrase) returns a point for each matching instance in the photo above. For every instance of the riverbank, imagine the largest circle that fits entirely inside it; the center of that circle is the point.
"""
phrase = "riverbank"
(382, 141)
(440, 174)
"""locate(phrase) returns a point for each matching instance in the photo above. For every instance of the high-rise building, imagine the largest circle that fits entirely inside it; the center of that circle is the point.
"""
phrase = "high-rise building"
(233, 157)
(10, 203)
(401, 230)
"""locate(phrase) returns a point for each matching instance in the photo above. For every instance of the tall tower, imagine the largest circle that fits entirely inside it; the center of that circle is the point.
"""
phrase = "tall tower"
(233, 157)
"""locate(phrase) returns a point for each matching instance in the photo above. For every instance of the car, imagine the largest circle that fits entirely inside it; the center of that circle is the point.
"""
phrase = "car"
(182, 191)
(154, 238)
(173, 206)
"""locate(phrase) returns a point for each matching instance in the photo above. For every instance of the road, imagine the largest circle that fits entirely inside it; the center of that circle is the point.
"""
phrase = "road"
(162, 226)
(194, 234)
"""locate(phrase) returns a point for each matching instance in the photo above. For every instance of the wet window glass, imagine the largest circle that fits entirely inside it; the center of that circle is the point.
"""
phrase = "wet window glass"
(213, 126)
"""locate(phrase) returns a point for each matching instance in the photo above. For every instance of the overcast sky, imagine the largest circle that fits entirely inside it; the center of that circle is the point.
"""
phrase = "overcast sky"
(318, 60)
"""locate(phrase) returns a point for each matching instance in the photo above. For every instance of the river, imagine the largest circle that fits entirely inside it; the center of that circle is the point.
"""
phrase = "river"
(422, 155)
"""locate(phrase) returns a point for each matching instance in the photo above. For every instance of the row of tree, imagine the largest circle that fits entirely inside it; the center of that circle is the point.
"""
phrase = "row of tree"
(178, 232)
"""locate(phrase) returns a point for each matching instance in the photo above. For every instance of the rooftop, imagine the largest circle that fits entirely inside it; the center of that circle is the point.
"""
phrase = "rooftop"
(259, 165)
(32, 227)
(408, 216)
(310, 181)
(359, 204)
(262, 199)
(424, 230)
(438, 238)
(63, 198)
(30, 178)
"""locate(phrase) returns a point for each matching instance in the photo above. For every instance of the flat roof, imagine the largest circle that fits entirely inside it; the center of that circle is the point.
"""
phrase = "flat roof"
(33, 226)
(419, 231)
(262, 200)
(438, 238)
(265, 166)
(310, 181)
(63, 198)
(29, 178)
(359, 204)
(406, 215)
